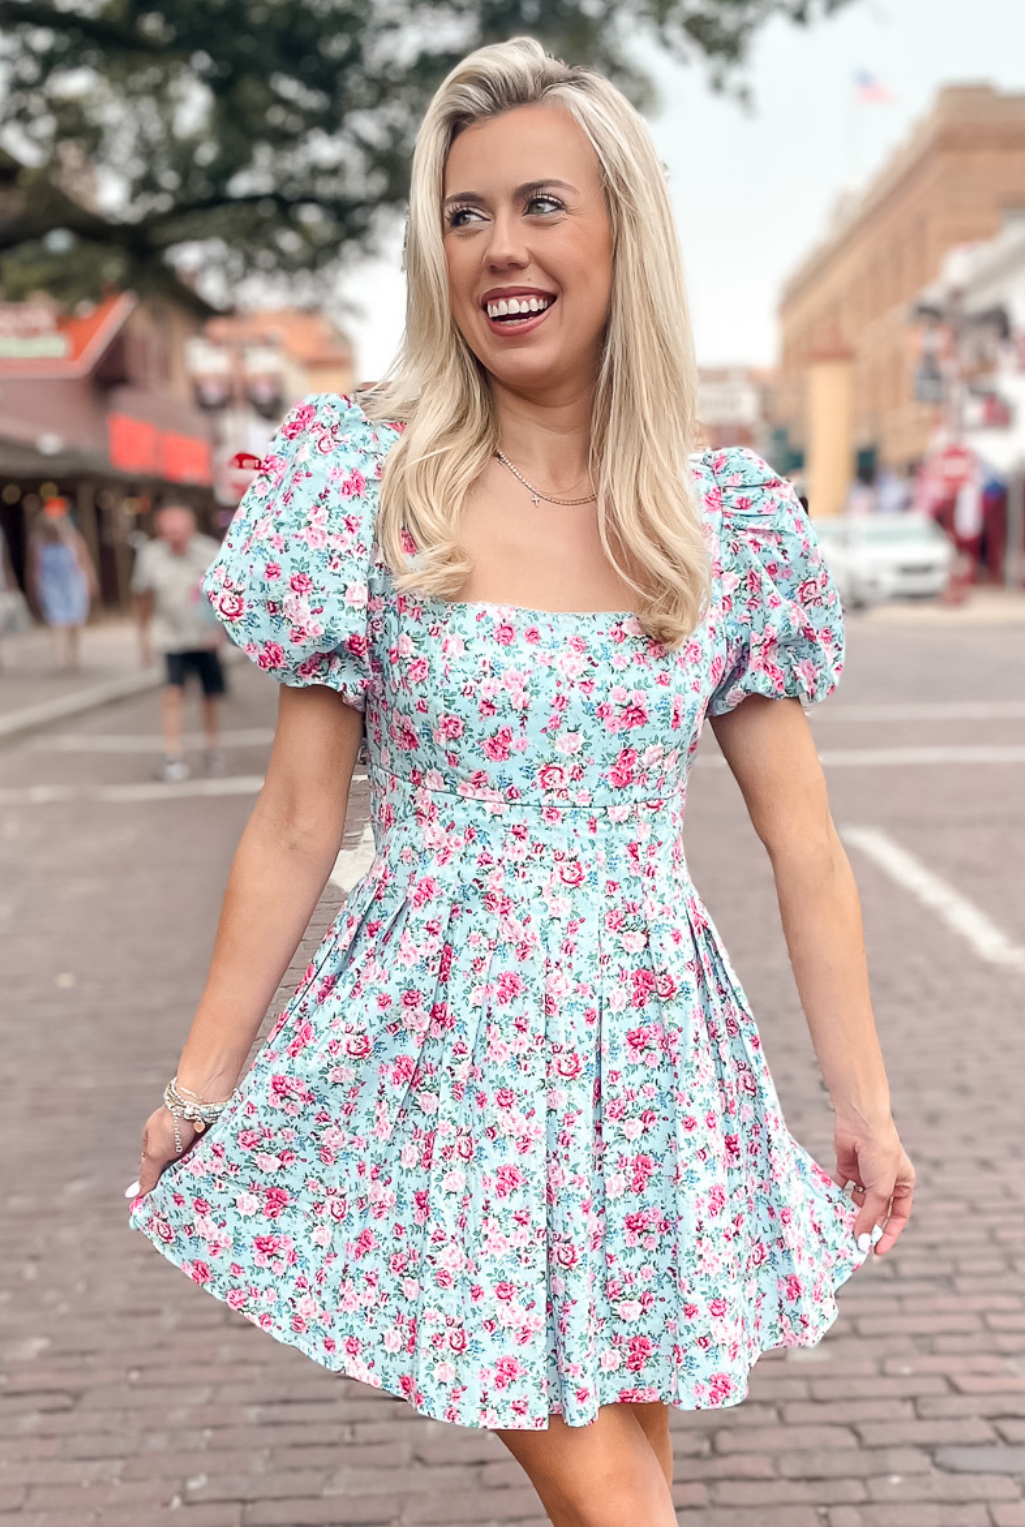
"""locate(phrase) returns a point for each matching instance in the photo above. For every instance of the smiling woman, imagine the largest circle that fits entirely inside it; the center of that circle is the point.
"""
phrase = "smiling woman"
(512, 1151)
(536, 182)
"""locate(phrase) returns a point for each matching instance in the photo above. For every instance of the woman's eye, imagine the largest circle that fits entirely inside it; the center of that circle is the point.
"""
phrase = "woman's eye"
(460, 217)
(456, 214)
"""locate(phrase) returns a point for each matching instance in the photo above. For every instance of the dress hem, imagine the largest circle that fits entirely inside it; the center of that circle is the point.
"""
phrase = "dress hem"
(350, 1369)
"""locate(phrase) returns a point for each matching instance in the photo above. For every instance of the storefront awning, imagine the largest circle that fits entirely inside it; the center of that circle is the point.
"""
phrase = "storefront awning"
(19, 461)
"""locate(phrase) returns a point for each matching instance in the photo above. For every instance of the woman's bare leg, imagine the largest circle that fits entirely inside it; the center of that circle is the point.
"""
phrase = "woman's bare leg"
(603, 1475)
(653, 1416)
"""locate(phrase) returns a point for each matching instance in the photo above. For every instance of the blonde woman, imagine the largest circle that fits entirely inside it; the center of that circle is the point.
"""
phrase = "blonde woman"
(61, 579)
(512, 1151)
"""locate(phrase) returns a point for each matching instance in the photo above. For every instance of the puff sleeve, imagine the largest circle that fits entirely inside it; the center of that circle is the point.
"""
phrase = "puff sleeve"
(290, 582)
(782, 625)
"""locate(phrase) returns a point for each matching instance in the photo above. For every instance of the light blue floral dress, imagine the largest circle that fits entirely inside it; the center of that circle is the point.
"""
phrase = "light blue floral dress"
(512, 1149)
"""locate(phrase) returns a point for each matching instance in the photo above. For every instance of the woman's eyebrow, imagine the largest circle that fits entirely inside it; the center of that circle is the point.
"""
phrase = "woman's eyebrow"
(526, 189)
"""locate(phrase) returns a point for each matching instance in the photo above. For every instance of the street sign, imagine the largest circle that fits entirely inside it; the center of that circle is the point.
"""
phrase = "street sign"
(956, 463)
(238, 472)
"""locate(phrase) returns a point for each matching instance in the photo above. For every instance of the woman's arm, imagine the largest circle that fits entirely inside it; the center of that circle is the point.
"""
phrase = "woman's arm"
(769, 748)
(32, 575)
(280, 868)
(85, 563)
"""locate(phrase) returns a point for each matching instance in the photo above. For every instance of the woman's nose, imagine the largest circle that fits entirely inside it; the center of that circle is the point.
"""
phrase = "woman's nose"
(505, 245)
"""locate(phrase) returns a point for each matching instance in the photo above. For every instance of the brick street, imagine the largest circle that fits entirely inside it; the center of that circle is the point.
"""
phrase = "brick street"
(131, 1398)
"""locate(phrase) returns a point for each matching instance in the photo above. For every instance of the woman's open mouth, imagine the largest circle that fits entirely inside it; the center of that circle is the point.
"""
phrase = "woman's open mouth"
(517, 315)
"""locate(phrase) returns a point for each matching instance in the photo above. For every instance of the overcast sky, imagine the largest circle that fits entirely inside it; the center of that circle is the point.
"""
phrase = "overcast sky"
(753, 190)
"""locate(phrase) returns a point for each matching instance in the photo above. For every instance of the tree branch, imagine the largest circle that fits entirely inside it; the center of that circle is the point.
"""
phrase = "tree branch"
(35, 13)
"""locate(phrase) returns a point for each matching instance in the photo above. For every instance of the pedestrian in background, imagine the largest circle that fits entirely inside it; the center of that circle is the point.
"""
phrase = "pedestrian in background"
(61, 579)
(861, 497)
(512, 1151)
(893, 492)
(167, 596)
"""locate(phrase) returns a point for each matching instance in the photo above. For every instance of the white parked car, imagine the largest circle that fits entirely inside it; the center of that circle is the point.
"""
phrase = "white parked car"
(874, 557)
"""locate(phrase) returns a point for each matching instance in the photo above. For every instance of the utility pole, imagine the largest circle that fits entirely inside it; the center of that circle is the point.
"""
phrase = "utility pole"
(1014, 557)
(954, 315)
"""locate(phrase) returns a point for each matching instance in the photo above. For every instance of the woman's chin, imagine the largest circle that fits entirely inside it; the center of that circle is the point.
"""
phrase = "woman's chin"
(532, 368)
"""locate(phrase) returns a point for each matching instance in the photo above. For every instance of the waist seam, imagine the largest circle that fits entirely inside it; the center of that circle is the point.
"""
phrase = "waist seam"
(498, 799)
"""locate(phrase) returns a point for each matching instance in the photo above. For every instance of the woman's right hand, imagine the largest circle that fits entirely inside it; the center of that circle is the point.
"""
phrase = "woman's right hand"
(158, 1148)
(873, 1157)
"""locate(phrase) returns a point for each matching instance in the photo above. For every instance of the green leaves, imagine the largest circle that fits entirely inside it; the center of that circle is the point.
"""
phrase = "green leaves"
(275, 136)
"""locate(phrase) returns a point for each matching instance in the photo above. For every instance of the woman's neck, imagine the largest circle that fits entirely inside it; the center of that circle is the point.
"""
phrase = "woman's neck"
(547, 439)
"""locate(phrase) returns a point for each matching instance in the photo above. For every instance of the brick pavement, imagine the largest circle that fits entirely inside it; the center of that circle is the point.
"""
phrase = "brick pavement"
(130, 1398)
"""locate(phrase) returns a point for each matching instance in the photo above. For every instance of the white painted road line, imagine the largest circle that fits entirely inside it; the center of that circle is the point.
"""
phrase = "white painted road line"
(143, 790)
(155, 790)
(942, 710)
(901, 757)
(877, 758)
(962, 916)
(353, 862)
(116, 742)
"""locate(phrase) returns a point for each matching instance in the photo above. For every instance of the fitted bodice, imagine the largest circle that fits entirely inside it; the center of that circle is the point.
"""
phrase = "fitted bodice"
(530, 708)
(503, 705)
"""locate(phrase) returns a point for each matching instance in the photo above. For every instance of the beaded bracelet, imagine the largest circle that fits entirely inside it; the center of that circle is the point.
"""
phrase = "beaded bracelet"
(195, 1110)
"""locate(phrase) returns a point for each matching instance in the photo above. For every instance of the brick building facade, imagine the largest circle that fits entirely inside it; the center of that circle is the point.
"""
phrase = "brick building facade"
(96, 407)
(848, 354)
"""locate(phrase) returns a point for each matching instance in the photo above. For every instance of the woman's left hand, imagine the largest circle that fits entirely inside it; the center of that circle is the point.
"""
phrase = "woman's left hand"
(873, 1157)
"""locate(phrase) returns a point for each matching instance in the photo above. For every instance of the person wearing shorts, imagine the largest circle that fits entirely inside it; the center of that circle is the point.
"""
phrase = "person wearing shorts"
(166, 585)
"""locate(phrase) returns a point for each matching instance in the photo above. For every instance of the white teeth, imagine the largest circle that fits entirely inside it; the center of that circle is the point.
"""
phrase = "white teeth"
(514, 307)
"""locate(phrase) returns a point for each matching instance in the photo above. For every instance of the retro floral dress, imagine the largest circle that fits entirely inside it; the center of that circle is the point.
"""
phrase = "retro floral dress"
(512, 1148)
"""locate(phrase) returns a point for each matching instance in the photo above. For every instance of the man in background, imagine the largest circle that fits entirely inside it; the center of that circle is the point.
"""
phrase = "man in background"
(167, 594)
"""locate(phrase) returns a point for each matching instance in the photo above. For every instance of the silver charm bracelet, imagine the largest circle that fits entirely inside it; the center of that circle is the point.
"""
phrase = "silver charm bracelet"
(194, 1110)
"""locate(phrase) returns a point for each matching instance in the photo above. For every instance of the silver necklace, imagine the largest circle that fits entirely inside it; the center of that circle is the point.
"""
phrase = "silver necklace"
(536, 493)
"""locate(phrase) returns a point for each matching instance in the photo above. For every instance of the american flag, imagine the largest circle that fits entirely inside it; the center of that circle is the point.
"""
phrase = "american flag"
(869, 89)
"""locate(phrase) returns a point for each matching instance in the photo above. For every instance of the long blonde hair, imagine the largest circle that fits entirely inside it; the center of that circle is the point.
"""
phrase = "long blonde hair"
(642, 422)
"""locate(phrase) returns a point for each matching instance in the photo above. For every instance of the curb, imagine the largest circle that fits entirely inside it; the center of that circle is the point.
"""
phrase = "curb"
(33, 717)
(1002, 611)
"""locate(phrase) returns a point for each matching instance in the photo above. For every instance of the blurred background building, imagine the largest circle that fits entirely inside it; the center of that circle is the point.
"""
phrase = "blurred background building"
(96, 406)
(735, 406)
(125, 403)
(869, 381)
(247, 369)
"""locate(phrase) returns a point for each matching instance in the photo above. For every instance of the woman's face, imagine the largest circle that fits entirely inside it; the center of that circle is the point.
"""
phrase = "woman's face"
(526, 227)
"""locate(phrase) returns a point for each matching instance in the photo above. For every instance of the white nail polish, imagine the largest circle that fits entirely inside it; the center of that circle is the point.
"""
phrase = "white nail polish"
(877, 1234)
(864, 1242)
(132, 1190)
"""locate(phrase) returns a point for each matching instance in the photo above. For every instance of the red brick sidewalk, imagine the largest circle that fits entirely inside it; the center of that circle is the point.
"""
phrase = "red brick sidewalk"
(130, 1398)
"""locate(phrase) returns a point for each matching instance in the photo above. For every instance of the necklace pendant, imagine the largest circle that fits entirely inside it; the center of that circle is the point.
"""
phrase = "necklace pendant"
(535, 498)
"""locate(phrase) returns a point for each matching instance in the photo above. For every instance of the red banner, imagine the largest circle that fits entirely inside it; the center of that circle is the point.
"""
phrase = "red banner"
(136, 446)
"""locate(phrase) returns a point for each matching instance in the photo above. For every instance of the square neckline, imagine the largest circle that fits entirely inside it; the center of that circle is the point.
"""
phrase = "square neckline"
(699, 458)
(521, 609)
